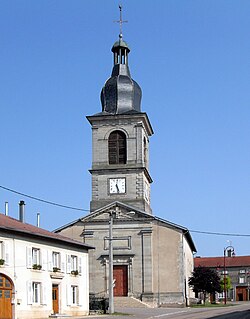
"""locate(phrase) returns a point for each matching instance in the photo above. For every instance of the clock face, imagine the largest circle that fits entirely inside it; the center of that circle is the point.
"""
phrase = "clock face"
(117, 185)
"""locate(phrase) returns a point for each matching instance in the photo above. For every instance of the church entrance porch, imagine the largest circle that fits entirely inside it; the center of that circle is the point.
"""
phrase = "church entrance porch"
(120, 275)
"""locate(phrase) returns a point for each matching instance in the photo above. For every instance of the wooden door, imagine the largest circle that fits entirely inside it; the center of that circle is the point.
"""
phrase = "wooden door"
(120, 274)
(5, 297)
(241, 293)
(55, 298)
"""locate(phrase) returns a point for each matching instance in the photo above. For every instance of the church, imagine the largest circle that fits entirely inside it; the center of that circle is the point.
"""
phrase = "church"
(151, 258)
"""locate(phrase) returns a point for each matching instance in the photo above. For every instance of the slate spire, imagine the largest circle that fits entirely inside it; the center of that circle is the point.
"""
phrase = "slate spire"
(121, 94)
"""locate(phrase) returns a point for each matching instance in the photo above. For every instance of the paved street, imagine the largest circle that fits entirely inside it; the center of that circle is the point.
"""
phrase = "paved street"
(239, 311)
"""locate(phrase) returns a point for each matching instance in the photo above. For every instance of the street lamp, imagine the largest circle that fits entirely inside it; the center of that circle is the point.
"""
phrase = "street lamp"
(231, 253)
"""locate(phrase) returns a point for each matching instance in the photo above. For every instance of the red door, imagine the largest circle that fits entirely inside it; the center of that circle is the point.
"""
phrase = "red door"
(120, 274)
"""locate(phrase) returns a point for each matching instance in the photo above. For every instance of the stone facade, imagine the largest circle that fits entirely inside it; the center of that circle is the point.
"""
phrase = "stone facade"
(137, 129)
(157, 255)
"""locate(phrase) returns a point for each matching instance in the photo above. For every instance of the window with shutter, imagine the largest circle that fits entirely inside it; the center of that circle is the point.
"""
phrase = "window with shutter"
(36, 256)
(56, 259)
(73, 261)
(74, 295)
(117, 148)
(36, 286)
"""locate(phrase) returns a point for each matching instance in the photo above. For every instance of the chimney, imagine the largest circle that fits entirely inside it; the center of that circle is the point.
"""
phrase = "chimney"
(6, 209)
(38, 219)
(21, 211)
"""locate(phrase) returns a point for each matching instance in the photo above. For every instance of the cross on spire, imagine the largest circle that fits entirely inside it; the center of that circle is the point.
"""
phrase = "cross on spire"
(121, 21)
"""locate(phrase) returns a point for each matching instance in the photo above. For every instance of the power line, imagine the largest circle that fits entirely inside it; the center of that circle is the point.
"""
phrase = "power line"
(43, 200)
(219, 234)
(86, 210)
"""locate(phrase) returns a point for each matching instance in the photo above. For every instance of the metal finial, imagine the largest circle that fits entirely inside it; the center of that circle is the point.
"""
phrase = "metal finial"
(121, 21)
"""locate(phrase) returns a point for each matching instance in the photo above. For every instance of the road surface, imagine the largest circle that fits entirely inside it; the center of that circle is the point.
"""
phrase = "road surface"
(238, 311)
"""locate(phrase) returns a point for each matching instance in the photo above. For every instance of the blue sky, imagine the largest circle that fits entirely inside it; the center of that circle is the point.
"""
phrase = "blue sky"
(192, 61)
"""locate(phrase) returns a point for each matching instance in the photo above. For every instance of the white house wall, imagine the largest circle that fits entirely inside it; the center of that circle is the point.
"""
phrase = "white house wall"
(18, 267)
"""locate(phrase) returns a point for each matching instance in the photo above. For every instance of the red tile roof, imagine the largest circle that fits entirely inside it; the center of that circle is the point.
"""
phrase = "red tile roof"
(218, 262)
(13, 225)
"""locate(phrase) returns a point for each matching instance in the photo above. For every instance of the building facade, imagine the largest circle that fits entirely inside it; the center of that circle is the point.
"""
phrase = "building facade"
(237, 268)
(152, 258)
(41, 273)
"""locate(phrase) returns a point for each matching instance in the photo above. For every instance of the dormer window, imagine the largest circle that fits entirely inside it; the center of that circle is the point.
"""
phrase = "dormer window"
(117, 148)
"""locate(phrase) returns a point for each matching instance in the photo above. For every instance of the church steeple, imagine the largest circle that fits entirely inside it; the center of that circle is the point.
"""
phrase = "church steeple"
(120, 137)
(121, 94)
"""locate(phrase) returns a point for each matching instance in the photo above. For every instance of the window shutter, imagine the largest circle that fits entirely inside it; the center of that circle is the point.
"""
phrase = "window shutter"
(44, 294)
(80, 295)
(50, 263)
(80, 265)
(68, 264)
(44, 259)
(7, 252)
(29, 293)
(29, 257)
(69, 295)
(62, 262)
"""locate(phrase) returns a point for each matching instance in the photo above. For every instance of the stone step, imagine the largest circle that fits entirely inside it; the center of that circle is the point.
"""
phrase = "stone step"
(129, 302)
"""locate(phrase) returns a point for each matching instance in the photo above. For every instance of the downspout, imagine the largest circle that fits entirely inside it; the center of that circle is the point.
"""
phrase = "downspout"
(14, 291)
(142, 263)
(184, 284)
(158, 263)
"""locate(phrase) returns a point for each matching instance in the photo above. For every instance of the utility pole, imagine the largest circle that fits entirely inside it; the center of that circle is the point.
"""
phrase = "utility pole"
(112, 215)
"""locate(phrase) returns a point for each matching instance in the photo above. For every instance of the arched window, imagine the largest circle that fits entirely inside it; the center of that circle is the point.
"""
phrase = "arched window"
(117, 148)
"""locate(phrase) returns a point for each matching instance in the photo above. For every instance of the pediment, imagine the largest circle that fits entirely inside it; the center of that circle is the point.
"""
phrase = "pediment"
(121, 211)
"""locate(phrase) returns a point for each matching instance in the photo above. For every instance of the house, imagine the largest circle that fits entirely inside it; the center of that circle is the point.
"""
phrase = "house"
(237, 268)
(41, 273)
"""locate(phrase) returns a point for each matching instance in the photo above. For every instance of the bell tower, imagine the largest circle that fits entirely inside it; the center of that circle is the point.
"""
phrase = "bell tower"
(120, 140)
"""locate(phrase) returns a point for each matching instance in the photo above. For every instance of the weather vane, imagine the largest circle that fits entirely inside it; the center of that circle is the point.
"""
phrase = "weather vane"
(121, 21)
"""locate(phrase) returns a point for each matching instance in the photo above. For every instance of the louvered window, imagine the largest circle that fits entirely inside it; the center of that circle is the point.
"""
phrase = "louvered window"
(117, 148)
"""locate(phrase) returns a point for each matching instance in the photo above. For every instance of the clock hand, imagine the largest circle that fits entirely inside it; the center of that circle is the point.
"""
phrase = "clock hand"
(117, 188)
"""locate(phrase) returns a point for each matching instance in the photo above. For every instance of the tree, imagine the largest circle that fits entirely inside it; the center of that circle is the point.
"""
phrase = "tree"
(228, 283)
(204, 280)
